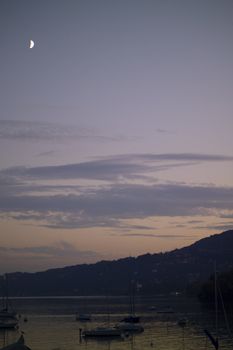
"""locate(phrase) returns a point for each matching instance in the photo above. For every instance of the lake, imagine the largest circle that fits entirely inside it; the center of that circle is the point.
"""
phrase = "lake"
(52, 323)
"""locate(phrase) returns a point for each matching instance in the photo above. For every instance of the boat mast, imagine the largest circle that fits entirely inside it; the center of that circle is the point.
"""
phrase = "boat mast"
(6, 293)
(132, 297)
(214, 340)
(216, 304)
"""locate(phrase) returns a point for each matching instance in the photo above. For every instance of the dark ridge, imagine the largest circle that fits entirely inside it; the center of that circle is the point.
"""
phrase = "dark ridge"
(169, 272)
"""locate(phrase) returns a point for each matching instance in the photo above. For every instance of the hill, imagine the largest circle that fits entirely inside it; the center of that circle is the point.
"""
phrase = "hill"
(152, 273)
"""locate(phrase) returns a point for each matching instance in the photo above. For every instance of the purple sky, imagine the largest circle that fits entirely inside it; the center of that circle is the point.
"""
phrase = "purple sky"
(115, 129)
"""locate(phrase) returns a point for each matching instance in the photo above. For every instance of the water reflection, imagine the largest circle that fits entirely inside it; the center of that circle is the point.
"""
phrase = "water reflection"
(52, 324)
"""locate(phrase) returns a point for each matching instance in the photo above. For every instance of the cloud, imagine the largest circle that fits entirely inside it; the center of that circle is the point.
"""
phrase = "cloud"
(95, 170)
(226, 216)
(60, 254)
(195, 222)
(33, 194)
(174, 236)
(220, 227)
(107, 207)
(47, 154)
(22, 130)
(115, 168)
(181, 157)
(163, 131)
(12, 185)
(60, 249)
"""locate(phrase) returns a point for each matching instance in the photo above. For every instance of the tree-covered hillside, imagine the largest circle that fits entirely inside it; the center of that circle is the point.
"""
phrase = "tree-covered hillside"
(152, 273)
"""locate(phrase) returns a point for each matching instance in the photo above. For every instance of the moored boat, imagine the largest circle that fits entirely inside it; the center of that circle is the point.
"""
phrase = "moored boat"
(83, 317)
(8, 317)
(6, 313)
(130, 327)
(167, 310)
(8, 323)
(102, 332)
(131, 319)
(182, 322)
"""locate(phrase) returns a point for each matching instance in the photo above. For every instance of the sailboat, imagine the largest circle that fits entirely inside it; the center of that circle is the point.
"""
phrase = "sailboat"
(214, 340)
(130, 324)
(131, 318)
(85, 316)
(8, 317)
(102, 331)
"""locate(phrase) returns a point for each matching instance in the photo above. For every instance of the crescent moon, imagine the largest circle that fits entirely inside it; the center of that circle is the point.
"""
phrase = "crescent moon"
(31, 44)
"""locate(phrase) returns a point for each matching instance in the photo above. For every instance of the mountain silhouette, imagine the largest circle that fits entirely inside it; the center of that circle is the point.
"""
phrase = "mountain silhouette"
(170, 272)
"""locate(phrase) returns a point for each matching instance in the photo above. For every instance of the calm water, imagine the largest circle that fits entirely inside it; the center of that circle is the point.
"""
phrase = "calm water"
(52, 326)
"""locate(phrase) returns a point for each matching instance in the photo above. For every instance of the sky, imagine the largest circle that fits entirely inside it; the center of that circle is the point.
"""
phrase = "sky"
(115, 128)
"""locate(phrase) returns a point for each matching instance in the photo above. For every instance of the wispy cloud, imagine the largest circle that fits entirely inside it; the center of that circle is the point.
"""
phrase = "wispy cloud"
(219, 227)
(27, 193)
(180, 157)
(60, 254)
(133, 166)
(163, 236)
(95, 170)
(47, 131)
(59, 249)
(163, 131)
(118, 202)
(194, 222)
(47, 154)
